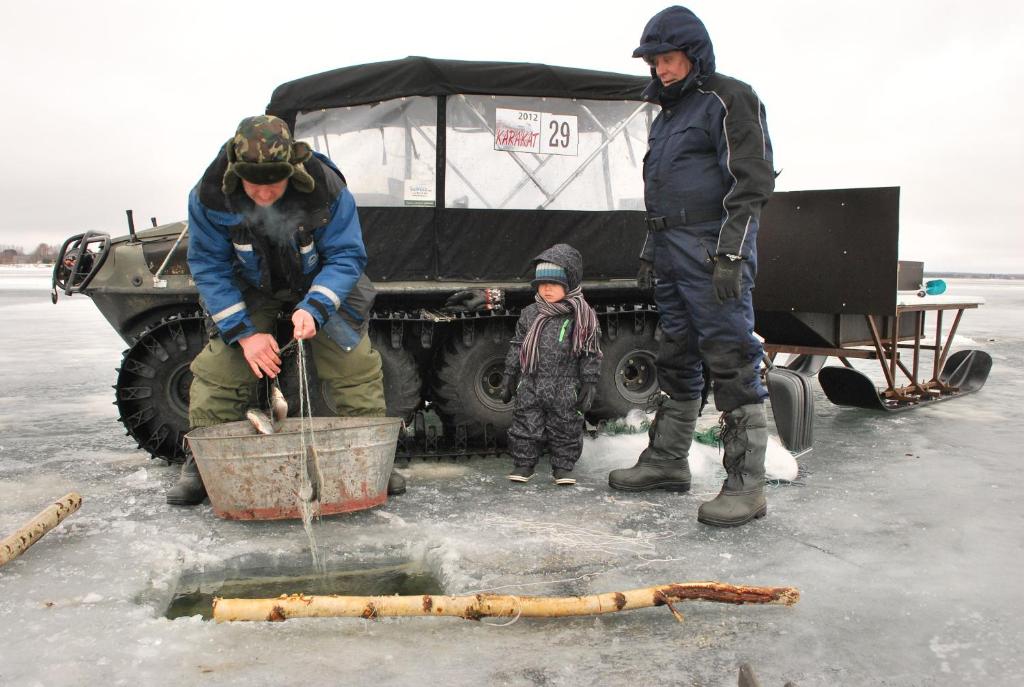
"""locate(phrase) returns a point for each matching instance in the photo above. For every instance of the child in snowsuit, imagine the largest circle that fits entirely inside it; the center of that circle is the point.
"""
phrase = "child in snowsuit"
(552, 368)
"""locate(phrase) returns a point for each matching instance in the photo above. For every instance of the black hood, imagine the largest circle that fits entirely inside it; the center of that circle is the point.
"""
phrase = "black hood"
(677, 28)
(566, 257)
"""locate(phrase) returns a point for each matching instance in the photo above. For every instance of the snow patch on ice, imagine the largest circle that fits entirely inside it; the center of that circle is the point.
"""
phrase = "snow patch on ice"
(606, 453)
(136, 478)
(636, 417)
(779, 463)
(390, 518)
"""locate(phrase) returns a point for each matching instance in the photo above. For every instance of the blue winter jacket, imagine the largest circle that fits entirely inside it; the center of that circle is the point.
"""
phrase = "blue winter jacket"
(709, 156)
(307, 244)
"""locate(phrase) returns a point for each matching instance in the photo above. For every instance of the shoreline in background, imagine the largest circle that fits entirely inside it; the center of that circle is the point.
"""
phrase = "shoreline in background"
(972, 275)
(929, 275)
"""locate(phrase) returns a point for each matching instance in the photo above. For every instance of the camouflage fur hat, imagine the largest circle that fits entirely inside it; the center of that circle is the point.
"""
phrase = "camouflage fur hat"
(262, 151)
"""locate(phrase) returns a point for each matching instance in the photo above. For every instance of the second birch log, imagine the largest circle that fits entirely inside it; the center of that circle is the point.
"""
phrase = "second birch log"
(29, 533)
(477, 606)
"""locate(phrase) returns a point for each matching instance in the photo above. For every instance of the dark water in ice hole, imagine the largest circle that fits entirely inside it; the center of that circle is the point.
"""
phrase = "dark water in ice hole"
(195, 594)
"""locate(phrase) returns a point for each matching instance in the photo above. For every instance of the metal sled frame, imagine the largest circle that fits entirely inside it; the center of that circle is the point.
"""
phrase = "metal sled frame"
(951, 376)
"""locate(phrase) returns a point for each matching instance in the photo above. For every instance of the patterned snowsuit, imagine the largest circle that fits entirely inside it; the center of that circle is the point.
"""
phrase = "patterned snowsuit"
(545, 401)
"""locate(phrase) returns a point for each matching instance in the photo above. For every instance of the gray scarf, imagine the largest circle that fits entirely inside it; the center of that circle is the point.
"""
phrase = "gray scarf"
(584, 333)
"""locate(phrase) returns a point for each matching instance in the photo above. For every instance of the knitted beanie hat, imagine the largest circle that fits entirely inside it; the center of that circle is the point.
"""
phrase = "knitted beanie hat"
(551, 273)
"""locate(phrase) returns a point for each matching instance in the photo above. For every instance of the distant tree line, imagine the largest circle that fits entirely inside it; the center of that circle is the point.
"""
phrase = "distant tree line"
(16, 255)
(975, 275)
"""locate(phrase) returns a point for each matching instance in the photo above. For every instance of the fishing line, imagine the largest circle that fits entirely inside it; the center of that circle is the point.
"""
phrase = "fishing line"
(306, 424)
(306, 507)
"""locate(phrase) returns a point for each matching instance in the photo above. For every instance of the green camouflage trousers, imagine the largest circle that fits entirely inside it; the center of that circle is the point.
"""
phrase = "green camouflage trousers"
(224, 387)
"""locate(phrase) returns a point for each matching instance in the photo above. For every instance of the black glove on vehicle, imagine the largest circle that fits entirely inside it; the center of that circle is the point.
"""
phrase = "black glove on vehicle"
(645, 276)
(508, 387)
(475, 300)
(726, 278)
(586, 396)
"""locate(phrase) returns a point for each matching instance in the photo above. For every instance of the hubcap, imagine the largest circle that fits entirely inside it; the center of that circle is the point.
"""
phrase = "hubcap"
(488, 386)
(178, 388)
(635, 376)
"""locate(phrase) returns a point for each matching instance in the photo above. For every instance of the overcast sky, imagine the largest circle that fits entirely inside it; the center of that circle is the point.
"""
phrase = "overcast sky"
(122, 104)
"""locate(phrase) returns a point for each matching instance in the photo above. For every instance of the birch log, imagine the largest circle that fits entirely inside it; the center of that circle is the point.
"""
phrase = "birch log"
(51, 516)
(477, 606)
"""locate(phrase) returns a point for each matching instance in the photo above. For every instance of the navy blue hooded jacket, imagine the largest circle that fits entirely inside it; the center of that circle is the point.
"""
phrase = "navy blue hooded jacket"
(709, 153)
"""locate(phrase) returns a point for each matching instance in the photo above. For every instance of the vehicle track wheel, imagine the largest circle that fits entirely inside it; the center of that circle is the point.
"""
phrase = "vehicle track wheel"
(628, 372)
(403, 385)
(153, 384)
(468, 385)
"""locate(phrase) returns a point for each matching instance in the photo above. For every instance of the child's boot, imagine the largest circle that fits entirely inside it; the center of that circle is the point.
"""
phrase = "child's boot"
(521, 473)
(563, 477)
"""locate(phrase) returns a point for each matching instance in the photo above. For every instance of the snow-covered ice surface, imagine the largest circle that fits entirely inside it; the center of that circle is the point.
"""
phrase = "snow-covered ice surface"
(903, 532)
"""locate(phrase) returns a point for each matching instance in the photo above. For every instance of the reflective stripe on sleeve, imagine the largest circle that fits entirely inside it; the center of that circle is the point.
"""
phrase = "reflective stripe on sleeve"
(317, 288)
(228, 312)
(243, 247)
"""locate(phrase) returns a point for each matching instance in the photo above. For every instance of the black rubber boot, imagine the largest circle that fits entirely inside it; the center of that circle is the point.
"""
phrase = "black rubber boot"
(189, 491)
(663, 464)
(396, 484)
(744, 439)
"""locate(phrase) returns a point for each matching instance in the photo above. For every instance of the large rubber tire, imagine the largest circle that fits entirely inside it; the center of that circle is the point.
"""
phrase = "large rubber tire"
(628, 372)
(467, 389)
(153, 384)
(403, 385)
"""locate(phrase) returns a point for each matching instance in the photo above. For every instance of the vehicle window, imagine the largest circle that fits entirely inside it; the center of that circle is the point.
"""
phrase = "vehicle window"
(502, 152)
(385, 150)
(545, 153)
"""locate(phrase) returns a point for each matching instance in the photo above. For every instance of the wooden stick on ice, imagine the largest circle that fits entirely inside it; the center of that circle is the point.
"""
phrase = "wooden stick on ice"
(477, 606)
(51, 516)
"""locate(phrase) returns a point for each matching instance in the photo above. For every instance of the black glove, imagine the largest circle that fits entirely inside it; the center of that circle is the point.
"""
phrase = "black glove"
(475, 300)
(726, 278)
(585, 398)
(645, 276)
(508, 387)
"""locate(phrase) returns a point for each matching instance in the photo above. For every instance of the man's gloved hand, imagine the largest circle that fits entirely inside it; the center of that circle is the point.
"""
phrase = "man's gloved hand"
(727, 277)
(475, 300)
(645, 276)
(508, 387)
(585, 399)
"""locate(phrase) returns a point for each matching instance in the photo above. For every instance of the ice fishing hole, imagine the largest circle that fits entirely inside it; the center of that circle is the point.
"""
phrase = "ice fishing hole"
(195, 591)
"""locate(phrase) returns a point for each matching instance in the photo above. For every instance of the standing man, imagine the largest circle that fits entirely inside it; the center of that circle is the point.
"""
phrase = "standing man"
(274, 230)
(707, 174)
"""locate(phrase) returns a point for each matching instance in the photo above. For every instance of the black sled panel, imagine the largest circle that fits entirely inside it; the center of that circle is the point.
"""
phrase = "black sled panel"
(831, 251)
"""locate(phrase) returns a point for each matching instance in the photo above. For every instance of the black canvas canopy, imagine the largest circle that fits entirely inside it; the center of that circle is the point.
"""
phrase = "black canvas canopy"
(419, 244)
(424, 76)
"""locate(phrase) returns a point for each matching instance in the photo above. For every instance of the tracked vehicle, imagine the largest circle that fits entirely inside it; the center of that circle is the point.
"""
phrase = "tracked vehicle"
(463, 171)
